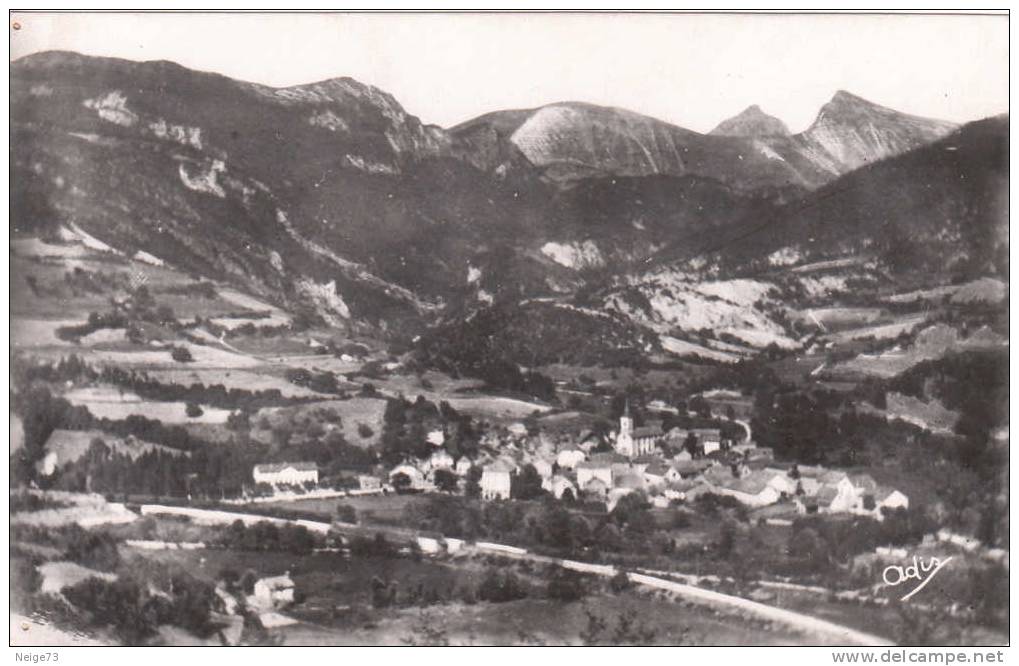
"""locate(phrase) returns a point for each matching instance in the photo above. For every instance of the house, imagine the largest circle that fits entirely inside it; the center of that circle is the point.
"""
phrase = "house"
(888, 498)
(517, 429)
(661, 406)
(595, 488)
(416, 476)
(628, 480)
(761, 453)
(708, 439)
(864, 484)
(593, 469)
(615, 495)
(809, 480)
(286, 473)
(440, 459)
(368, 482)
(569, 457)
(543, 467)
(837, 497)
(654, 474)
(588, 440)
(780, 480)
(496, 480)
(632, 442)
(274, 592)
(463, 466)
(686, 469)
(558, 485)
(436, 437)
(754, 490)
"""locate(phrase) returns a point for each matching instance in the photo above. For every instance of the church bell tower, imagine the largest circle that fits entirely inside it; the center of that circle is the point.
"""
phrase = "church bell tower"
(624, 440)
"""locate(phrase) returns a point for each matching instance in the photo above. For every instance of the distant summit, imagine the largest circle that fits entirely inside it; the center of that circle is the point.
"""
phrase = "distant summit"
(751, 122)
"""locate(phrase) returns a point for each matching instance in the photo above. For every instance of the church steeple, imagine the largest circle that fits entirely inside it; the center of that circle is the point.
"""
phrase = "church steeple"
(626, 421)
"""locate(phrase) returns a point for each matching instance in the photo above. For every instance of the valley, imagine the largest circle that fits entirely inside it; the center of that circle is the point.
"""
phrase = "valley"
(753, 362)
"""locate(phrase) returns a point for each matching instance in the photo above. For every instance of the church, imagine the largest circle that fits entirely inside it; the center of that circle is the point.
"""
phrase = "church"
(633, 442)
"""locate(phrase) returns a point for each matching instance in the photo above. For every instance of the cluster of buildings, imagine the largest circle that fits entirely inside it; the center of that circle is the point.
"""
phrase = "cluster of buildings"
(706, 463)
(667, 467)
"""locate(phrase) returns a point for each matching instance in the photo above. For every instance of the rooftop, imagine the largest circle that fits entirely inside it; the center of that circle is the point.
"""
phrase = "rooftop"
(275, 468)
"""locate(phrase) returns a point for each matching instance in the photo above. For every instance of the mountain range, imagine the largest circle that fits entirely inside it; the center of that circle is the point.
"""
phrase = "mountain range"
(331, 198)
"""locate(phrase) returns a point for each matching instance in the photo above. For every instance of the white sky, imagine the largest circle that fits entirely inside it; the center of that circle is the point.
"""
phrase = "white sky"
(691, 70)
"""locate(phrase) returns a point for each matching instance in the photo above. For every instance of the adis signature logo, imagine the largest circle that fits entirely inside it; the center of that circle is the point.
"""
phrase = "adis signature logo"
(919, 570)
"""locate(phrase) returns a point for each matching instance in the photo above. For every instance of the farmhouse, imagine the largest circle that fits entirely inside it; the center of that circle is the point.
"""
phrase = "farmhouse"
(593, 469)
(463, 466)
(286, 473)
(440, 459)
(274, 592)
(496, 480)
(416, 476)
(569, 457)
(559, 485)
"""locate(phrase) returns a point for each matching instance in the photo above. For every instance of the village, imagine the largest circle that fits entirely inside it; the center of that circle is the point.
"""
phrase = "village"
(668, 467)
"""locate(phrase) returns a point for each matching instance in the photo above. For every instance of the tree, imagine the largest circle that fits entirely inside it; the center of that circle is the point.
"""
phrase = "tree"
(346, 513)
(401, 482)
(445, 480)
(527, 484)
(472, 486)
(700, 407)
(181, 355)
(565, 585)
(193, 410)
(499, 586)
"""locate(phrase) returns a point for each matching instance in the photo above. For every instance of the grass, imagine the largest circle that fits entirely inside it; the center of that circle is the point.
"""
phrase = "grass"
(336, 609)
(383, 509)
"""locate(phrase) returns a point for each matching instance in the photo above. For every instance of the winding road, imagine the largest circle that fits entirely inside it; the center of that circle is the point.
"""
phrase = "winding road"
(836, 633)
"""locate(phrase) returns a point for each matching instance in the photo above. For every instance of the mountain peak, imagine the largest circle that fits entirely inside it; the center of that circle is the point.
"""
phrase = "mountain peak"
(751, 122)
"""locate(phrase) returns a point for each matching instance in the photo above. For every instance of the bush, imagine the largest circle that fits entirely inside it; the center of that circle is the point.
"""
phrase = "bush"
(193, 410)
(566, 586)
(620, 582)
(346, 513)
(500, 586)
(181, 355)
(364, 430)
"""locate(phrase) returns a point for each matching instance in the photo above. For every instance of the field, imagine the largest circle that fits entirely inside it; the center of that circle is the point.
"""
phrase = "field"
(382, 509)
(110, 403)
(337, 609)
(245, 380)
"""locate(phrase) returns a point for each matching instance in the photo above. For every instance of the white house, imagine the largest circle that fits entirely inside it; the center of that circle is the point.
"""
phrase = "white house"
(570, 457)
(558, 485)
(496, 480)
(440, 459)
(655, 474)
(888, 498)
(463, 466)
(295, 473)
(274, 592)
(838, 496)
(436, 437)
(543, 467)
(586, 471)
(517, 429)
(416, 476)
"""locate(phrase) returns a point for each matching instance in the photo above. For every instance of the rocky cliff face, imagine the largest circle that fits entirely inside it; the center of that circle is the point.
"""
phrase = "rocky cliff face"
(331, 197)
(752, 152)
(850, 131)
